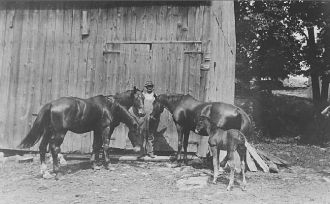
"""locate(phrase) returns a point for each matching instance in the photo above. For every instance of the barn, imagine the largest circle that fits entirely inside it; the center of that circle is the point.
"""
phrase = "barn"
(50, 49)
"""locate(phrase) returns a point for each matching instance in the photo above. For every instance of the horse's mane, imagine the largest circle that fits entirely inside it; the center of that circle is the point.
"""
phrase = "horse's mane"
(120, 97)
(172, 98)
(121, 94)
(170, 101)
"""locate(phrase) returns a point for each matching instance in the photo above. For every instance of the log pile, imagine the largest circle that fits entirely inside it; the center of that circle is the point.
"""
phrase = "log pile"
(266, 162)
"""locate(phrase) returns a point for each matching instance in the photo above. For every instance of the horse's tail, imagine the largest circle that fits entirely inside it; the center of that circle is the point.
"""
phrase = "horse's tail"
(246, 125)
(241, 148)
(40, 123)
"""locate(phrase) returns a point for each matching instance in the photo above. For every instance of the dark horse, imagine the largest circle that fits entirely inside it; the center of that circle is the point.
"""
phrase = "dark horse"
(100, 114)
(186, 110)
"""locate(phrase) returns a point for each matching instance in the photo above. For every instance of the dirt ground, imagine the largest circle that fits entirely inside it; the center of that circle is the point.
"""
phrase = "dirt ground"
(307, 180)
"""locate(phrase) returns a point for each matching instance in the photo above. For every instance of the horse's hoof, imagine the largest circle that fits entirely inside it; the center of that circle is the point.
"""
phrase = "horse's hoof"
(176, 164)
(173, 158)
(47, 175)
(59, 176)
(108, 167)
(243, 188)
(96, 167)
(229, 188)
(214, 181)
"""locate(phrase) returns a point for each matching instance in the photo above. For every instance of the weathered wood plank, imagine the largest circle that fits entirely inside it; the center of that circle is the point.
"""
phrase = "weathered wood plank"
(67, 56)
(120, 24)
(273, 158)
(256, 157)
(250, 163)
(42, 45)
(191, 23)
(32, 89)
(100, 75)
(50, 60)
(90, 57)
(57, 80)
(74, 49)
(24, 79)
(14, 76)
(3, 73)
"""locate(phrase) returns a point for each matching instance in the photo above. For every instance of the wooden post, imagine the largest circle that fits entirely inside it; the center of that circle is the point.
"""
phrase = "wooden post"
(221, 77)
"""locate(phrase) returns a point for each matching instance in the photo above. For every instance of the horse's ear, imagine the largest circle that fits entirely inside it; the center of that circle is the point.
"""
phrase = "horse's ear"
(206, 111)
(135, 89)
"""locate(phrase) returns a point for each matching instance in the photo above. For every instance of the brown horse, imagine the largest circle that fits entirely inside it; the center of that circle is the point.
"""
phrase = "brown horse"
(229, 140)
(100, 114)
(186, 110)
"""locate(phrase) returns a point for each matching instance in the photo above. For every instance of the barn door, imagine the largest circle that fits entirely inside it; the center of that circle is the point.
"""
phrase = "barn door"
(126, 65)
(174, 67)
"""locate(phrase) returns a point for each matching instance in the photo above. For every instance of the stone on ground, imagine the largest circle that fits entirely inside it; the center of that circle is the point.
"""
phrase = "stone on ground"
(192, 183)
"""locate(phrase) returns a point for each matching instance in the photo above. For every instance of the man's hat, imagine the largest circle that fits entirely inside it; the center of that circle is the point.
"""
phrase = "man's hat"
(148, 83)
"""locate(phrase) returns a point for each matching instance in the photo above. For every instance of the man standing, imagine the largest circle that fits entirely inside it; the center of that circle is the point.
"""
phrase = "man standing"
(149, 97)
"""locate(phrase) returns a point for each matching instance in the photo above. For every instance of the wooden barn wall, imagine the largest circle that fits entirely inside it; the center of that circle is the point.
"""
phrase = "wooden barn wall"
(44, 56)
(221, 76)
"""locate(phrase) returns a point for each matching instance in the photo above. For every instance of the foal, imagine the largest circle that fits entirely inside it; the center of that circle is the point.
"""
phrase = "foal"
(230, 140)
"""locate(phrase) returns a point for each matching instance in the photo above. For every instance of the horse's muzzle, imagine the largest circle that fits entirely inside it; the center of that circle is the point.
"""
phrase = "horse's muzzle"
(141, 113)
(137, 149)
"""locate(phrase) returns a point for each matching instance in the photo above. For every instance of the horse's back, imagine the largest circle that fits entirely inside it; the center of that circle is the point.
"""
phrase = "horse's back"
(76, 114)
(229, 116)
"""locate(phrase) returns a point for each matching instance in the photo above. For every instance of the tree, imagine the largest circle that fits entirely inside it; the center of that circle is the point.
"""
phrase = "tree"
(266, 46)
(306, 16)
(277, 37)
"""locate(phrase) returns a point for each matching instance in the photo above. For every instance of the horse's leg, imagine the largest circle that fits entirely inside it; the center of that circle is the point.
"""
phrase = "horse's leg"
(180, 137)
(55, 143)
(241, 150)
(43, 149)
(106, 135)
(97, 145)
(185, 145)
(224, 161)
(231, 164)
(226, 158)
(214, 150)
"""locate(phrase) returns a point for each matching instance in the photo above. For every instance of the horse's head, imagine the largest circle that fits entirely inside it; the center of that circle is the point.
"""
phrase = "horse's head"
(203, 122)
(157, 109)
(326, 112)
(138, 102)
(135, 136)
